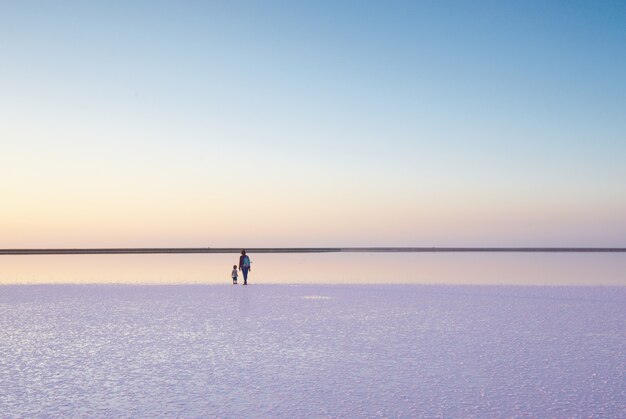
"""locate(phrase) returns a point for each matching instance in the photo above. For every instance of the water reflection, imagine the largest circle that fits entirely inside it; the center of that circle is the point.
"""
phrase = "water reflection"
(333, 268)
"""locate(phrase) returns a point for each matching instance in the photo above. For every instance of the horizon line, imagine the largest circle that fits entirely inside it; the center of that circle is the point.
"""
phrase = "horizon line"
(182, 250)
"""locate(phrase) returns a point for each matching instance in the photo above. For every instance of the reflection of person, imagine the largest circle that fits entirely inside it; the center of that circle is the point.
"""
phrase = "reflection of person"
(233, 274)
(244, 266)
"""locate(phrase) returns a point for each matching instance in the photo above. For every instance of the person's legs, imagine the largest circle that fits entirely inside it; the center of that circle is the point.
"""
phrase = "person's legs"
(245, 276)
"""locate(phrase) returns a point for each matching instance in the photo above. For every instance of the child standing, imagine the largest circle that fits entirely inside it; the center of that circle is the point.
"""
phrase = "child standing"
(234, 274)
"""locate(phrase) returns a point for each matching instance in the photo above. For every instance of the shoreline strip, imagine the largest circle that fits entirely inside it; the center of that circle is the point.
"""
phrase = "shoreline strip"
(188, 250)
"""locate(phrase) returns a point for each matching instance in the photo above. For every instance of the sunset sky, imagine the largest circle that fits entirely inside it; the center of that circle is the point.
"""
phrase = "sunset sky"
(320, 123)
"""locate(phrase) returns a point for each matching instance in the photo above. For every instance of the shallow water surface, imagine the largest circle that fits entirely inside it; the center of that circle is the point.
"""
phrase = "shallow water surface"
(332, 268)
(312, 351)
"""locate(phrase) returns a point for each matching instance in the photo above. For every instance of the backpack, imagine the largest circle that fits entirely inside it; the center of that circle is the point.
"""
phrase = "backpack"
(246, 262)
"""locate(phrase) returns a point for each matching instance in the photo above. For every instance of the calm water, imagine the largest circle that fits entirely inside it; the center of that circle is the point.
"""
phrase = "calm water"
(334, 268)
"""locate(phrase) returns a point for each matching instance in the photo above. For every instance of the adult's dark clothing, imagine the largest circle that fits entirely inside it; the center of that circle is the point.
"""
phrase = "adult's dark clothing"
(243, 269)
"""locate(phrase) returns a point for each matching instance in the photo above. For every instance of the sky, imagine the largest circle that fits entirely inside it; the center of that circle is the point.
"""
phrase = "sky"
(320, 123)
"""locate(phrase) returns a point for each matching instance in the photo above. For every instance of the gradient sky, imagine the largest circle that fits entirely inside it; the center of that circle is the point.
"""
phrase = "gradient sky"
(193, 123)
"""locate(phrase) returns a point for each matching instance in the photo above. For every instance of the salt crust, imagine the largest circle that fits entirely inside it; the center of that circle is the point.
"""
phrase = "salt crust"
(312, 351)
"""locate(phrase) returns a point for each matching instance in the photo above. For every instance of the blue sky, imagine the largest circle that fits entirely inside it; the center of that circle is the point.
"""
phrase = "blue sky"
(408, 123)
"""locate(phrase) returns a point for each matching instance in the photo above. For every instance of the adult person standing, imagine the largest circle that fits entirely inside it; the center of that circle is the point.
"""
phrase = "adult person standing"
(244, 266)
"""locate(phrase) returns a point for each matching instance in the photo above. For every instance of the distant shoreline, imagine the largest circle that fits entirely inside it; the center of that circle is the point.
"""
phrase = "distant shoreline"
(182, 250)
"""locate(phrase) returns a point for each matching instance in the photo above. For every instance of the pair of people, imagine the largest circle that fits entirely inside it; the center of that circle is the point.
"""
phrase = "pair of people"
(244, 266)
